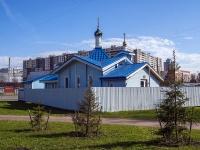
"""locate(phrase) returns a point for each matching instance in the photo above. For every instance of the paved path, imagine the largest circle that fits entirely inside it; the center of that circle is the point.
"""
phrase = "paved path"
(147, 123)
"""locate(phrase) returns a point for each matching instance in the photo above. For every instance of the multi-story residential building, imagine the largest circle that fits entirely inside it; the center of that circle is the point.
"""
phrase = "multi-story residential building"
(183, 75)
(40, 66)
(113, 50)
(84, 53)
(141, 56)
(167, 64)
(52, 62)
(180, 75)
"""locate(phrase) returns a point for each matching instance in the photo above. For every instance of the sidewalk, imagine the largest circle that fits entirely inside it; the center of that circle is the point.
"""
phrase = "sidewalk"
(145, 123)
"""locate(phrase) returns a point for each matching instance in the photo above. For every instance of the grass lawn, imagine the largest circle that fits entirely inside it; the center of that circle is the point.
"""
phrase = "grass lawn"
(20, 108)
(18, 134)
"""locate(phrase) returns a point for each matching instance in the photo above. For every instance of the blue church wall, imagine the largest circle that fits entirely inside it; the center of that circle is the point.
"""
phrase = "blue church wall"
(115, 83)
(79, 70)
(134, 81)
(96, 74)
(50, 85)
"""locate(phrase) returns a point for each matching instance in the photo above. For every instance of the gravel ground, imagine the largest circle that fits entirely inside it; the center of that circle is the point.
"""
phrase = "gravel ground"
(147, 123)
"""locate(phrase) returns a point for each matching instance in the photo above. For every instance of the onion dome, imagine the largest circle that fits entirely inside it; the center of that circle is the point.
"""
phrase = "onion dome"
(98, 33)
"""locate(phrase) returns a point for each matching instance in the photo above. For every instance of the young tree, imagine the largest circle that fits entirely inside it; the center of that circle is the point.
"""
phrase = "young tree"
(87, 120)
(171, 74)
(172, 115)
(37, 121)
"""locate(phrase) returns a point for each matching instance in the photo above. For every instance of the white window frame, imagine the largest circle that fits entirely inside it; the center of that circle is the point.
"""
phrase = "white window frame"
(144, 82)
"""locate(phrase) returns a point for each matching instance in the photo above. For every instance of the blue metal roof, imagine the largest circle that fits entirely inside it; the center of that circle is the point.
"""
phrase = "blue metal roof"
(124, 71)
(125, 52)
(92, 61)
(34, 79)
(107, 62)
(50, 78)
(98, 54)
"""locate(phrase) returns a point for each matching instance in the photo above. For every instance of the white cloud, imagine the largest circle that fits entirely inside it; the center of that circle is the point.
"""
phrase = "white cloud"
(188, 38)
(156, 46)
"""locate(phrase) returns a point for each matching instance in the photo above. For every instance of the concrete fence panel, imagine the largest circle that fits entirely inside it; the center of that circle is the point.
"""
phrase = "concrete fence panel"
(110, 98)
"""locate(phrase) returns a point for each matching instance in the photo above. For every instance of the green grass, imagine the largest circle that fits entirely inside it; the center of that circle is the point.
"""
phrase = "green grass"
(143, 114)
(15, 134)
(21, 108)
(136, 114)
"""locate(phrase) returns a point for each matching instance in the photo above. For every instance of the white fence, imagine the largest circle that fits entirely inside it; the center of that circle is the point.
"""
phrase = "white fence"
(110, 98)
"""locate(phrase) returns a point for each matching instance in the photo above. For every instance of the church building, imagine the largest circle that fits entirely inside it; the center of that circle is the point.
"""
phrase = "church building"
(103, 71)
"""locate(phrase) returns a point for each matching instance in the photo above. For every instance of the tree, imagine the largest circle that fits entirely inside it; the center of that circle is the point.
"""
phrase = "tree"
(87, 120)
(171, 74)
(193, 79)
(37, 121)
(172, 115)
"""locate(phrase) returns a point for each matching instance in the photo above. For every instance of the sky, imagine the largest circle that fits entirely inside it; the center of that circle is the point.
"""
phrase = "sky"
(39, 28)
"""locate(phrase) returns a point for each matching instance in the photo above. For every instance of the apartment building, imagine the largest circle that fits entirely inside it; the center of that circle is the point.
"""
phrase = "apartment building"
(111, 51)
(167, 64)
(52, 62)
(139, 56)
(183, 75)
(41, 66)
(84, 53)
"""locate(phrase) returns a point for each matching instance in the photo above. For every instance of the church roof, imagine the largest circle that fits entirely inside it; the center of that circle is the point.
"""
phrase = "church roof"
(89, 60)
(49, 78)
(124, 71)
(98, 54)
(125, 52)
(110, 61)
(34, 79)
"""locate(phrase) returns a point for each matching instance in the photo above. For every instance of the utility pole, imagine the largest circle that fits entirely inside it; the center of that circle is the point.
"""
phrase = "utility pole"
(149, 68)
